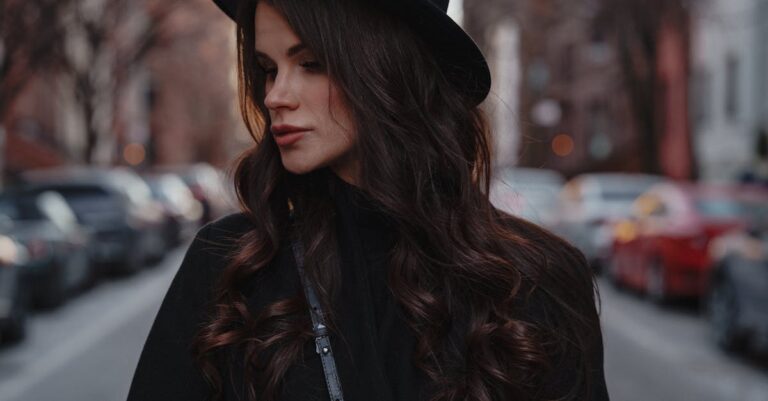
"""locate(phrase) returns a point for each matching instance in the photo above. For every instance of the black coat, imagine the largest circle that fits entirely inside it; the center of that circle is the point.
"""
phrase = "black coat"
(376, 364)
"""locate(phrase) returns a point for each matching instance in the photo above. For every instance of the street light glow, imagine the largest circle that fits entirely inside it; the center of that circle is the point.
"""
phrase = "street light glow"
(562, 145)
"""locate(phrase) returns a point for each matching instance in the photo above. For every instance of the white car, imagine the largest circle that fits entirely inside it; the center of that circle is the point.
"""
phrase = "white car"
(529, 193)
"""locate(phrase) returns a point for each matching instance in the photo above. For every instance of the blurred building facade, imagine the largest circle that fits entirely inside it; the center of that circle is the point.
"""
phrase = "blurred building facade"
(575, 116)
(575, 108)
(195, 115)
(676, 158)
(496, 30)
(32, 128)
(729, 101)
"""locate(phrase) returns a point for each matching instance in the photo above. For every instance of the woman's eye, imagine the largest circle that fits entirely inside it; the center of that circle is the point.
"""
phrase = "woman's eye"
(270, 72)
(312, 65)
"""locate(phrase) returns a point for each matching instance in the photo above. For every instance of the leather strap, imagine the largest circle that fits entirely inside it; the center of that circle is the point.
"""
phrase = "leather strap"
(321, 333)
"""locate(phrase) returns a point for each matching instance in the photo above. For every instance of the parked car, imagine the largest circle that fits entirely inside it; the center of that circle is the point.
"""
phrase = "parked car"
(59, 260)
(529, 193)
(737, 302)
(208, 187)
(591, 203)
(117, 205)
(182, 212)
(663, 249)
(13, 314)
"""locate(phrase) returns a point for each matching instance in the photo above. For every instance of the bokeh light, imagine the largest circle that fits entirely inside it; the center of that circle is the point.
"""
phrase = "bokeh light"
(562, 145)
(134, 153)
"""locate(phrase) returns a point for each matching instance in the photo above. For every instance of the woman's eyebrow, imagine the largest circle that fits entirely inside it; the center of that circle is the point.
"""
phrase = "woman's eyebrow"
(292, 51)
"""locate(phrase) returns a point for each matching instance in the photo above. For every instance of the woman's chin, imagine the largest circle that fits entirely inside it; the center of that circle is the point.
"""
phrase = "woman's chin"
(298, 168)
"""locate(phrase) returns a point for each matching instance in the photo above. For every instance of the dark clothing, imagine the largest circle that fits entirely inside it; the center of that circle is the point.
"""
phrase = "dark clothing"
(375, 360)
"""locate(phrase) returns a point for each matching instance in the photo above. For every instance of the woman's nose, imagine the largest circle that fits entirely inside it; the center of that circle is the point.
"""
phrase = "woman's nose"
(279, 94)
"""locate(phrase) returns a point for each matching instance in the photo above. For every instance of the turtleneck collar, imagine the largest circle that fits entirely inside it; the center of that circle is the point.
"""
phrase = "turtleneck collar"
(354, 203)
(361, 220)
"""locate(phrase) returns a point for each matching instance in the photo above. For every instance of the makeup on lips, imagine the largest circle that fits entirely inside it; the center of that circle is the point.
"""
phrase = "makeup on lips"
(286, 135)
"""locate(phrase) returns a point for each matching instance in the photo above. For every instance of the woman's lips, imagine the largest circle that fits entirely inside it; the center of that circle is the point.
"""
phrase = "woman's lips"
(288, 138)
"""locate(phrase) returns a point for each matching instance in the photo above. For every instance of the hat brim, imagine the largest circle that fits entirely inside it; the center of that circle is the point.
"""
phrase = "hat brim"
(459, 56)
(461, 59)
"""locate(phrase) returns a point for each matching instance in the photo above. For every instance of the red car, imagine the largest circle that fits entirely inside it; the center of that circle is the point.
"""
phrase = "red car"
(662, 250)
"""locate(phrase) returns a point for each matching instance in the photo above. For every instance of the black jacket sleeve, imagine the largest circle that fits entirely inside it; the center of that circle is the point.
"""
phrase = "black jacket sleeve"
(565, 375)
(166, 369)
(571, 279)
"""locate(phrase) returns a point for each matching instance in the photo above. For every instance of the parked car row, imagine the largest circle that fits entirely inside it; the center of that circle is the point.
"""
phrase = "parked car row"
(63, 229)
(662, 238)
(13, 304)
(737, 302)
(58, 260)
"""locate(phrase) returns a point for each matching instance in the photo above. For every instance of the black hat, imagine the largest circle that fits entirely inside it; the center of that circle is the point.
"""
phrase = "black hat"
(461, 59)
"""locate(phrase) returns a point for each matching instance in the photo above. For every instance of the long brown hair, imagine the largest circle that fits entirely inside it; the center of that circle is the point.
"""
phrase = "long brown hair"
(458, 262)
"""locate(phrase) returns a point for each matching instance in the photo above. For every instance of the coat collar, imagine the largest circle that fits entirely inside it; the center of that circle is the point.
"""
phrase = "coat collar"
(356, 203)
(361, 215)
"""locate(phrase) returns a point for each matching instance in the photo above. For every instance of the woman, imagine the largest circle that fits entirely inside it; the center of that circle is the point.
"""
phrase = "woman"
(369, 173)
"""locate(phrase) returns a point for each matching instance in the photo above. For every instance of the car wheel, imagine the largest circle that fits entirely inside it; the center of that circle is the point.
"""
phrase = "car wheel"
(83, 266)
(655, 285)
(134, 260)
(94, 274)
(613, 273)
(16, 328)
(723, 314)
(56, 291)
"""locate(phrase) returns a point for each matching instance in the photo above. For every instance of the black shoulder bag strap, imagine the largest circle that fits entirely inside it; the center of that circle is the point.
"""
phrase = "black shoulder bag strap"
(322, 339)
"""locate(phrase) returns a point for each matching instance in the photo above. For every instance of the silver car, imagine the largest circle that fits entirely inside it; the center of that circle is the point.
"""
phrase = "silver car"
(591, 203)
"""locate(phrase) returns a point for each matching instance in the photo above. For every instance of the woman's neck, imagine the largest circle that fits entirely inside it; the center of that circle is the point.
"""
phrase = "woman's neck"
(349, 173)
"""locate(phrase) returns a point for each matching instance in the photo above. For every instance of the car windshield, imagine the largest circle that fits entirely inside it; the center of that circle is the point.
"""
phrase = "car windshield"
(719, 208)
(617, 199)
(723, 208)
(614, 202)
(88, 199)
(23, 208)
(623, 195)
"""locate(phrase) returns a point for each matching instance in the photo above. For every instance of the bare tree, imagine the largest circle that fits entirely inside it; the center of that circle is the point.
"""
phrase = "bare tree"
(109, 39)
(30, 43)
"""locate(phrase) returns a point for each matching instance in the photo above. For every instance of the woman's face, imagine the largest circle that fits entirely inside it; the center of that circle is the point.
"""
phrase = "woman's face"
(310, 122)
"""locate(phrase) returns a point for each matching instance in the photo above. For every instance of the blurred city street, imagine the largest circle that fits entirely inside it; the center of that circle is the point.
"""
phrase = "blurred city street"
(652, 353)
(637, 130)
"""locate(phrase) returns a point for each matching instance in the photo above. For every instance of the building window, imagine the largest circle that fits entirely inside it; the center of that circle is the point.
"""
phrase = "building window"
(701, 93)
(731, 87)
(597, 51)
(598, 131)
(566, 63)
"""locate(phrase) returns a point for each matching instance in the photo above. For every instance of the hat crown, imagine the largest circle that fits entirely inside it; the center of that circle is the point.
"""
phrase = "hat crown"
(465, 64)
(441, 4)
